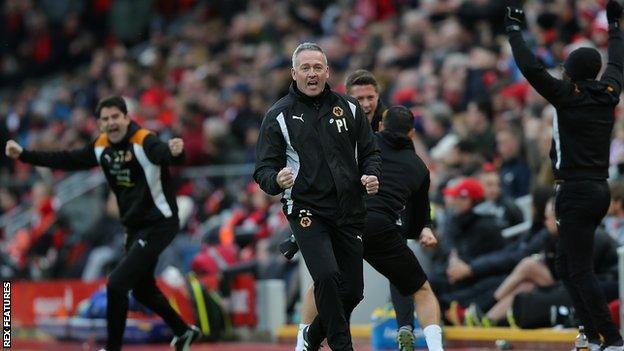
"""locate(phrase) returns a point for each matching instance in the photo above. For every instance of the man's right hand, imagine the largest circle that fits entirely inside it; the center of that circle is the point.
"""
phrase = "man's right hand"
(285, 178)
(13, 149)
(614, 11)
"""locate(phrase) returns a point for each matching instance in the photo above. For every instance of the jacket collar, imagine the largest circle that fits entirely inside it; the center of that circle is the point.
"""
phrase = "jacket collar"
(319, 103)
(133, 127)
(396, 140)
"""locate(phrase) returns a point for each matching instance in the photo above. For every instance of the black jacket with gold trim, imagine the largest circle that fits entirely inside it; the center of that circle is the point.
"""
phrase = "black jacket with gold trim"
(135, 168)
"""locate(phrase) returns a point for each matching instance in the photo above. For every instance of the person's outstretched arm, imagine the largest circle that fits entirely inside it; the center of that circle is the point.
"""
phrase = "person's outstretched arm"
(68, 160)
(614, 73)
(549, 87)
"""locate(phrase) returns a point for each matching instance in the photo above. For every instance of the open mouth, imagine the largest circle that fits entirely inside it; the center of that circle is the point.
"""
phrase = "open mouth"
(313, 84)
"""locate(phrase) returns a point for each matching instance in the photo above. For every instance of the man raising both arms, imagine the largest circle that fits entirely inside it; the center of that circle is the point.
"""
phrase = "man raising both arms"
(582, 127)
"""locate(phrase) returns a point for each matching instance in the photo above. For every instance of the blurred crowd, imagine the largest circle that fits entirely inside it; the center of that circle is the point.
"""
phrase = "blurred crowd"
(207, 71)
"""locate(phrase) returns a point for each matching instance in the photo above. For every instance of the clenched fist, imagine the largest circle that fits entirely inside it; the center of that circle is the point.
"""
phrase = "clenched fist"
(13, 149)
(427, 239)
(371, 184)
(285, 178)
(176, 146)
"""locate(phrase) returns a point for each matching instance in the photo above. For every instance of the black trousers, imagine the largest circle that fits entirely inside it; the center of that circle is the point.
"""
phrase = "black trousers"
(136, 272)
(579, 208)
(333, 255)
(386, 250)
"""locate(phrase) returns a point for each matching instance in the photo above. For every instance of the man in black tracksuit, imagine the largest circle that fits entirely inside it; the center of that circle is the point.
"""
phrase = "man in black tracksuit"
(317, 147)
(135, 163)
(580, 157)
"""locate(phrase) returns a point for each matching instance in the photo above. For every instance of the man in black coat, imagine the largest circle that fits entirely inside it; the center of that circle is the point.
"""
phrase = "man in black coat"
(468, 236)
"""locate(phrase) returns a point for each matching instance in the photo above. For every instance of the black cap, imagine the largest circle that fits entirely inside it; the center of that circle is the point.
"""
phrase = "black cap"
(583, 63)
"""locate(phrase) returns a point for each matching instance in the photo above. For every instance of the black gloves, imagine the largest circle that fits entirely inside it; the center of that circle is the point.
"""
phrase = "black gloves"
(614, 12)
(514, 19)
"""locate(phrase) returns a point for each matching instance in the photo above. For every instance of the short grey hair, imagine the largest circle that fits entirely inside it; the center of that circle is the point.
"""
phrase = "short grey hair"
(307, 46)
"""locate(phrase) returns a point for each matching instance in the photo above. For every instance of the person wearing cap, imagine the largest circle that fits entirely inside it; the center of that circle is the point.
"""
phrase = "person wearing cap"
(582, 129)
(136, 165)
(468, 236)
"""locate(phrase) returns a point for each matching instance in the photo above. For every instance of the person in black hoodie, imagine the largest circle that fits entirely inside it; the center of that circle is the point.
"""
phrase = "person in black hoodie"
(385, 247)
(582, 128)
(134, 162)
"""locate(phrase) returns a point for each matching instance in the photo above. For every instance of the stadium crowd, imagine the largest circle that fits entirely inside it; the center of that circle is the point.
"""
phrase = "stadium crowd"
(207, 72)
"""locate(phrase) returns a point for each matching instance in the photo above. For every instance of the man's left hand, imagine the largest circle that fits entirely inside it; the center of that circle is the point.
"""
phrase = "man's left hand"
(427, 239)
(176, 146)
(371, 184)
